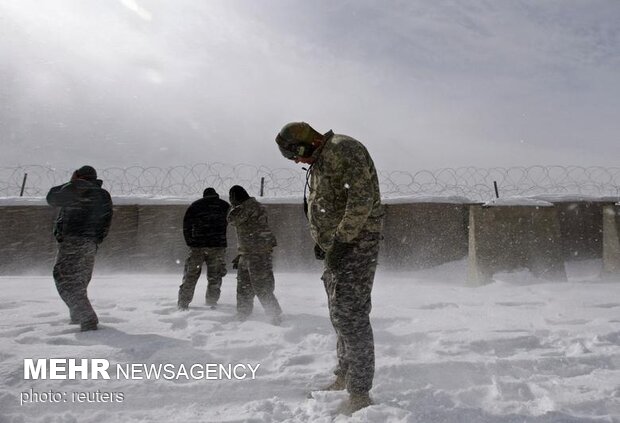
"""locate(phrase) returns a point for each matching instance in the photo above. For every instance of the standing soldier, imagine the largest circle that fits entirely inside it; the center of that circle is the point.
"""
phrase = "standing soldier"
(255, 246)
(82, 223)
(204, 229)
(345, 214)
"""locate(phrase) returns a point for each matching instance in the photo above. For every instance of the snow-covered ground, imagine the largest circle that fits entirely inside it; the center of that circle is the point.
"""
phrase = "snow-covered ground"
(518, 350)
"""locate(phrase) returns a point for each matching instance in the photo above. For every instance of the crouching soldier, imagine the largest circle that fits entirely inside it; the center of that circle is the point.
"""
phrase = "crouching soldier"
(83, 222)
(255, 246)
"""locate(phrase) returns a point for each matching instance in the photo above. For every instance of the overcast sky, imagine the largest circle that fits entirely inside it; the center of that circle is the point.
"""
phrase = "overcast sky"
(424, 84)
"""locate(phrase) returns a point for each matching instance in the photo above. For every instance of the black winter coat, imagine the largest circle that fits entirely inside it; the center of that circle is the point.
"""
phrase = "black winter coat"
(85, 210)
(204, 224)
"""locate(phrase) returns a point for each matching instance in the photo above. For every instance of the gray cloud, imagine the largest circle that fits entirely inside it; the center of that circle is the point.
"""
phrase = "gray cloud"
(424, 84)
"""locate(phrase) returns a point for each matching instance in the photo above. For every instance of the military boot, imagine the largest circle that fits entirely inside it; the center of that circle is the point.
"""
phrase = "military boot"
(338, 385)
(357, 402)
(276, 320)
(86, 326)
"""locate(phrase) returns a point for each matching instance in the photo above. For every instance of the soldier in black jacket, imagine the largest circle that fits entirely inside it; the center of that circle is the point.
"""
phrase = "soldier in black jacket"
(204, 229)
(82, 223)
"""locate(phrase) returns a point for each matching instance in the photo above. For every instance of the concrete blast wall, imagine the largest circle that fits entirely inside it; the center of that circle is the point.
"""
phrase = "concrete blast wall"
(581, 229)
(611, 236)
(420, 235)
(149, 238)
(513, 237)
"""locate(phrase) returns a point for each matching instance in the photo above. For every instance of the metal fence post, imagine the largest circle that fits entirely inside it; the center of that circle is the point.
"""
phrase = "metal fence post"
(21, 193)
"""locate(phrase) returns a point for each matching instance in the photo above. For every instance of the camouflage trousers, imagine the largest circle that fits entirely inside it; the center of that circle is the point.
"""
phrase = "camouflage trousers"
(348, 297)
(215, 258)
(255, 278)
(72, 273)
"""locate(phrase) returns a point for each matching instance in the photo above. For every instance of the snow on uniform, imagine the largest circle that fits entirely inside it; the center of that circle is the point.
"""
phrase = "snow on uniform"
(204, 230)
(82, 223)
(344, 204)
(255, 246)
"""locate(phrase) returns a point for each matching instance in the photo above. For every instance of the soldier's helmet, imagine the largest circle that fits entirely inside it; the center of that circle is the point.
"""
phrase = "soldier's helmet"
(296, 139)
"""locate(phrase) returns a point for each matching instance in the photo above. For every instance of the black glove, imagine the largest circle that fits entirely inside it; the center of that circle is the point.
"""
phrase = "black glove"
(235, 262)
(335, 256)
(319, 254)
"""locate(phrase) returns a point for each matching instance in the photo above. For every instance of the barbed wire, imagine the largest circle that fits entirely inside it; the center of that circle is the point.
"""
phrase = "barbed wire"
(189, 181)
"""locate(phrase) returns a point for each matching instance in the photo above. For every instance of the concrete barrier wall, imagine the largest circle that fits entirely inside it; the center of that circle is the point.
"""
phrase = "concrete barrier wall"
(149, 238)
(420, 235)
(581, 228)
(611, 240)
(507, 238)
(26, 240)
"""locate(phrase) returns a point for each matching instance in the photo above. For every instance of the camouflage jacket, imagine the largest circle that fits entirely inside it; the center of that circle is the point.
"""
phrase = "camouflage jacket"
(344, 195)
(253, 233)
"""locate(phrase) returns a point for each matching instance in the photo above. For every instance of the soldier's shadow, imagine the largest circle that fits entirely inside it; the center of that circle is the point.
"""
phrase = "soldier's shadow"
(145, 348)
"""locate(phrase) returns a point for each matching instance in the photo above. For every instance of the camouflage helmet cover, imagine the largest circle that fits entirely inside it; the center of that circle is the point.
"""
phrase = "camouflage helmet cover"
(295, 140)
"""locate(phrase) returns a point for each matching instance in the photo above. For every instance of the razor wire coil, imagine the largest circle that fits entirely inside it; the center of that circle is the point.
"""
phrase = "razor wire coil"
(473, 183)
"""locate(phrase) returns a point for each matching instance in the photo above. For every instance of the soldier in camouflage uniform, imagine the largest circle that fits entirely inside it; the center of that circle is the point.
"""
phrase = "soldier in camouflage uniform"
(204, 230)
(82, 223)
(255, 243)
(345, 214)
